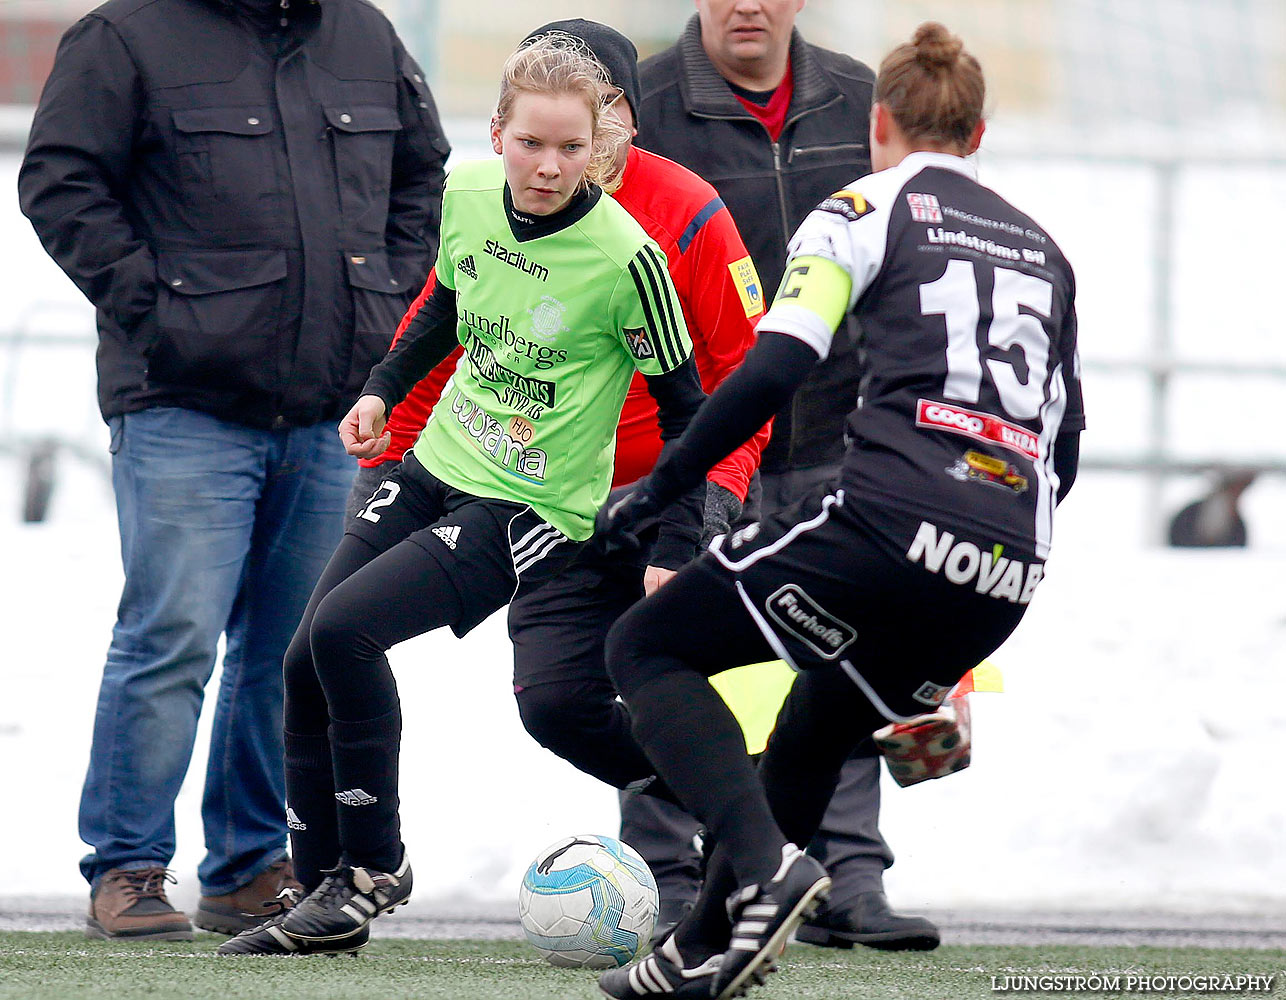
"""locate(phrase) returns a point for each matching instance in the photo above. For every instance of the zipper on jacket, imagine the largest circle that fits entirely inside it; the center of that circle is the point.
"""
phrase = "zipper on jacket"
(785, 228)
(781, 195)
(800, 150)
(785, 221)
(781, 201)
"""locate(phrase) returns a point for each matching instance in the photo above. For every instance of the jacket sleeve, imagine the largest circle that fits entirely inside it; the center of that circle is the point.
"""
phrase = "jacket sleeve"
(725, 301)
(76, 170)
(420, 153)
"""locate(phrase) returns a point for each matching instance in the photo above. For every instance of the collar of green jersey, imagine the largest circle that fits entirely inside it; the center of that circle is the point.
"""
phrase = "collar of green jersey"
(531, 227)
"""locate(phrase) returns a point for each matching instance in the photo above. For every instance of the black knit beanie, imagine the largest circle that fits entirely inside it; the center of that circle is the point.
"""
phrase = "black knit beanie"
(616, 52)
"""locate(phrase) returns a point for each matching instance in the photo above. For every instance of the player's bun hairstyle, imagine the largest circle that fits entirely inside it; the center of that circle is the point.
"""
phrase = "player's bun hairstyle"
(933, 88)
(559, 63)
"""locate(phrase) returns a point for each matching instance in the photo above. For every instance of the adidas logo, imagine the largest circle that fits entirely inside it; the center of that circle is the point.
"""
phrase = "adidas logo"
(466, 266)
(293, 821)
(449, 533)
(355, 797)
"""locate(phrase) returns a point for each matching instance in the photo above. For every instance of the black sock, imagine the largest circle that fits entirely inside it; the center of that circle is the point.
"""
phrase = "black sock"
(311, 807)
(365, 756)
(693, 739)
(707, 929)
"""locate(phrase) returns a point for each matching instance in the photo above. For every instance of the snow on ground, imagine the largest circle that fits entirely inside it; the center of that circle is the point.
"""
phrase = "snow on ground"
(1132, 761)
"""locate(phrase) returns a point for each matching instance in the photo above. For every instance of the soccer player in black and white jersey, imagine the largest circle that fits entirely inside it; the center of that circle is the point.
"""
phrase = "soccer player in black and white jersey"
(882, 589)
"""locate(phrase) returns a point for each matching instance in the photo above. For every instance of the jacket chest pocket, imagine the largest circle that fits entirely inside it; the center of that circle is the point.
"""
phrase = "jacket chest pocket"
(226, 159)
(811, 154)
(380, 296)
(362, 139)
(217, 314)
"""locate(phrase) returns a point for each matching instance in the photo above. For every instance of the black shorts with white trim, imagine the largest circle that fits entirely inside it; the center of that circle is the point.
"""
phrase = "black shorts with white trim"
(903, 607)
(491, 550)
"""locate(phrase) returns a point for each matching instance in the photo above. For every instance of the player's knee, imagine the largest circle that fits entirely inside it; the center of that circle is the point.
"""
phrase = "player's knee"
(297, 664)
(337, 639)
(559, 716)
(625, 652)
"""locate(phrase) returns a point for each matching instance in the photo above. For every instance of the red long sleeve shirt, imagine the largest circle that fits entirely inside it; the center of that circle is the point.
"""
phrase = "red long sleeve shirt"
(721, 298)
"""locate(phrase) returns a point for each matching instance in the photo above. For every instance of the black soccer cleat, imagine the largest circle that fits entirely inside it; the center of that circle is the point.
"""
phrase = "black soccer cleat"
(763, 917)
(348, 899)
(661, 974)
(269, 939)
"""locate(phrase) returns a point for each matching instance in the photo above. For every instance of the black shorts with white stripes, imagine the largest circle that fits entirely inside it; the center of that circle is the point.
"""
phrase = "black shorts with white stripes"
(490, 550)
(900, 606)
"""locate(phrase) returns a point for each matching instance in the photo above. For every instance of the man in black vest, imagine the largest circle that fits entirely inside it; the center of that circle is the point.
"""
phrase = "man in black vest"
(776, 125)
(248, 191)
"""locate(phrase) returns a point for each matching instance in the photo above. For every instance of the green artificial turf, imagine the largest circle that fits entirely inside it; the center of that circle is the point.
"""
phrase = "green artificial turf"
(53, 966)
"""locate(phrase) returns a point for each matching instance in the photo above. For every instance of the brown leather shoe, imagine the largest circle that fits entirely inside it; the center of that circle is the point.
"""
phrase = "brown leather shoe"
(250, 905)
(131, 904)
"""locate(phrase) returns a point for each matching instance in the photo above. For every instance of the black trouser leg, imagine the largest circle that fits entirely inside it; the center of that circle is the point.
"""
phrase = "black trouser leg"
(582, 722)
(664, 836)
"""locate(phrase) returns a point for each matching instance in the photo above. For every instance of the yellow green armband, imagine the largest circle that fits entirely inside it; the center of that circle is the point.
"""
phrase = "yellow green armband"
(819, 285)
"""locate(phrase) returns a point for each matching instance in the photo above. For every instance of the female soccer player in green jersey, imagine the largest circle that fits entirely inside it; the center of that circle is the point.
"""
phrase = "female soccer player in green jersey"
(557, 297)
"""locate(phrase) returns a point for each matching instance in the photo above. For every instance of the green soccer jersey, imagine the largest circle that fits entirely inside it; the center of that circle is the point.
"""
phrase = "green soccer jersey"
(553, 326)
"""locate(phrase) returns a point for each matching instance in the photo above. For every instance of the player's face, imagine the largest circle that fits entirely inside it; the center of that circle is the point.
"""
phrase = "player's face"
(743, 34)
(545, 145)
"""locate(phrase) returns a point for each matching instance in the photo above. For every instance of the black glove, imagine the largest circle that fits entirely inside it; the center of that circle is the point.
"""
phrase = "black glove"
(619, 521)
(721, 510)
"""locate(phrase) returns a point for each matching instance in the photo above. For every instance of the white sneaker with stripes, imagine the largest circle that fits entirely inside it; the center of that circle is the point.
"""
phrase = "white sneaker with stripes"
(763, 918)
(347, 900)
(661, 974)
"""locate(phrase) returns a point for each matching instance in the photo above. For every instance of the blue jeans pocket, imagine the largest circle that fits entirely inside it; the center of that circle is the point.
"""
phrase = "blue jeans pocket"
(117, 427)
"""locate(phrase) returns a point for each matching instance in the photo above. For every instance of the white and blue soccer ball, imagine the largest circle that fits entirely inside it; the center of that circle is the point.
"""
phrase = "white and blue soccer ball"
(588, 902)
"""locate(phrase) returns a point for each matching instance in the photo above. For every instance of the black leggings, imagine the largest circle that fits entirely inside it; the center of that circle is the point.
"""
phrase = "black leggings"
(661, 654)
(365, 603)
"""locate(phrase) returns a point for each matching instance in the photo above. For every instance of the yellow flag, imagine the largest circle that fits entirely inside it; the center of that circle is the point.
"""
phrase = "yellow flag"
(755, 693)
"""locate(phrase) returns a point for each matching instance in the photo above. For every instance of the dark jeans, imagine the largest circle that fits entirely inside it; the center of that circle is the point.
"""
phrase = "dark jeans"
(224, 530)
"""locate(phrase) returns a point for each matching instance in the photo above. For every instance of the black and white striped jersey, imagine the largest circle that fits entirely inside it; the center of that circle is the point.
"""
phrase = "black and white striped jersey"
(970, 368)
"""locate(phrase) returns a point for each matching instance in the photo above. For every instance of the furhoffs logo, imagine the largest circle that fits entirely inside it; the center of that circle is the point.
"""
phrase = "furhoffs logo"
(808, 621)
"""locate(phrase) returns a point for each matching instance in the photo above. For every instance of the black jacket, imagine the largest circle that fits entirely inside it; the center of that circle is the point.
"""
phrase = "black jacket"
(689, 114)
(249, 205)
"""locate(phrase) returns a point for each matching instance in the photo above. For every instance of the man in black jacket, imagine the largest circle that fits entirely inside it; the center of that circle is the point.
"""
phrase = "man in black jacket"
(248, 191)
(777, 125)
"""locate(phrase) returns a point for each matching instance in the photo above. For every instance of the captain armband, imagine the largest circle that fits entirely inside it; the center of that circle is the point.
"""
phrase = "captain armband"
(819, 285)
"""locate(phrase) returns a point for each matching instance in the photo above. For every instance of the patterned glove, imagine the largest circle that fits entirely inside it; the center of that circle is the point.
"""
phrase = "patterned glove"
(721, 511)
(365, 483)
(928, 746)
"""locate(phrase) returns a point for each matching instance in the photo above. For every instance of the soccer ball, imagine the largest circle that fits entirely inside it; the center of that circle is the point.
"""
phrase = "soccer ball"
(588, 902)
